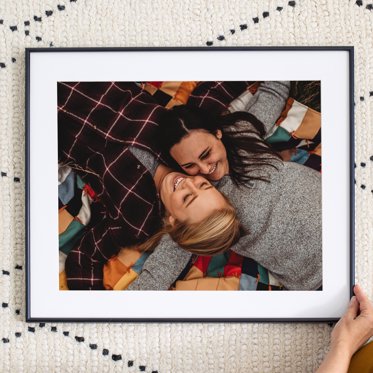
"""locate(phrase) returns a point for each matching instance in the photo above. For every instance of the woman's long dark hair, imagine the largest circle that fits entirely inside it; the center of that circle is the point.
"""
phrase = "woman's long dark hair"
(243, 133)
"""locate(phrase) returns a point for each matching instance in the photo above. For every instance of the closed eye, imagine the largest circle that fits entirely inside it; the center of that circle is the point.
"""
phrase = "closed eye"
(186, 197)
(205, 185)
(188, 165)
(205, 154)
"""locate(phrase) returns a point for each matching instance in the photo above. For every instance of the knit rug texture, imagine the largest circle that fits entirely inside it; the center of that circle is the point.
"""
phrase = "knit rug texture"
(167, 347)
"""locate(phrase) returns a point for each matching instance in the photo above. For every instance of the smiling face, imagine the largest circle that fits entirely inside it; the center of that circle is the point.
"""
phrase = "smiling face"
(189, 199)
(201, 152)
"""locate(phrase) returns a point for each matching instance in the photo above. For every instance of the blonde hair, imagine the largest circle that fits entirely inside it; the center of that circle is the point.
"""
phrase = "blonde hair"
(211, 236)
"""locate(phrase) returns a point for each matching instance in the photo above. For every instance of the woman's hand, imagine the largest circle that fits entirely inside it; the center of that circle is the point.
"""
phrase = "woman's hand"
(349, 334)
(356, 326)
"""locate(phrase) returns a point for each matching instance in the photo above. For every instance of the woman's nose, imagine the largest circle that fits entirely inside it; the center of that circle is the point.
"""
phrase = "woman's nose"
(204, 168)
(190, 183)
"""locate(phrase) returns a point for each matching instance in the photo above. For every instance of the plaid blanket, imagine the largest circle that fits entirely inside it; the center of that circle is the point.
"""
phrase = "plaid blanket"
(96, 124)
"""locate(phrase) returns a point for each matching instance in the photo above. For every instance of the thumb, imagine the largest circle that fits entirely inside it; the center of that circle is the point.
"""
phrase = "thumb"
(353, 309)
(362, 298)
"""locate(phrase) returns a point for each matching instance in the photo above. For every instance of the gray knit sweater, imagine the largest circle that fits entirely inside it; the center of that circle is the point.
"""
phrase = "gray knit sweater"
(282, 218)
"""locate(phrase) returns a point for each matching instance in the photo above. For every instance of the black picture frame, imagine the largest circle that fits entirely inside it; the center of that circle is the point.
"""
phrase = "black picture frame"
(30, 84)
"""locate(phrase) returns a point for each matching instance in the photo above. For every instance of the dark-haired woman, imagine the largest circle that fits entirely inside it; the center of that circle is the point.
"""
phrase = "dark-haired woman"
(231, 144)
(278, 203)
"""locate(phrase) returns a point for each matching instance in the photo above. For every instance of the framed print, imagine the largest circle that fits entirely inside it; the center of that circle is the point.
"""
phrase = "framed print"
(189, 184)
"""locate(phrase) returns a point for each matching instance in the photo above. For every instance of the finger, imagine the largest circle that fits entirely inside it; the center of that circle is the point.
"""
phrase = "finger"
(353, 309)
(362, 298)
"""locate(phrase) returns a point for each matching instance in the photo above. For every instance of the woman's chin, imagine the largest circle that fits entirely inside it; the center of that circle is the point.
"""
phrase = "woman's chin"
(215, 176)
(212, 176)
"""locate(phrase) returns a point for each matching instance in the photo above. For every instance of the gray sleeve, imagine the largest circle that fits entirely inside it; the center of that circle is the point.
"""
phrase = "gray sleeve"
(268, 102)
(162, 267)
(146, 158)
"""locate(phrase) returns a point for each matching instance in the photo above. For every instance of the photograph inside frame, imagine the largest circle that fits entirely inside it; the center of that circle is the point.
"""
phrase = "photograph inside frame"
(190, 185)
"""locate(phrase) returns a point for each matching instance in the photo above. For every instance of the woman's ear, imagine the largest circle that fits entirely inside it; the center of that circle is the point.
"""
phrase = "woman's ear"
(171, 220)
(219, 134)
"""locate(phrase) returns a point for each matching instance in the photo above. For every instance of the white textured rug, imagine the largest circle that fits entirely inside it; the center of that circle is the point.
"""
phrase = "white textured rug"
(167, 347)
